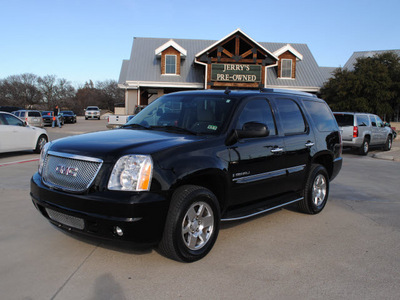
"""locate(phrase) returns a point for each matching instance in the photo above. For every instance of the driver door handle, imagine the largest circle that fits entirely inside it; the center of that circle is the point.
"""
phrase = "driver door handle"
(309, 144)
(277, 150)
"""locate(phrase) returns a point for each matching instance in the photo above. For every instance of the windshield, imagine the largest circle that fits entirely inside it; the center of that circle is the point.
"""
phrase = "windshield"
(92, 108)
(197, 114)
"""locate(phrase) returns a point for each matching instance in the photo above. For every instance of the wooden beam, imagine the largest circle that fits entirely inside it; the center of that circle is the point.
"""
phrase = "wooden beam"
(247, 53)
(237, 45)
(227, 53)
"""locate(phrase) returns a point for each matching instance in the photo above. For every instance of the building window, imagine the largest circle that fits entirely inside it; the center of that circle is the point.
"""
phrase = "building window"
(170, 64)
(286, 69)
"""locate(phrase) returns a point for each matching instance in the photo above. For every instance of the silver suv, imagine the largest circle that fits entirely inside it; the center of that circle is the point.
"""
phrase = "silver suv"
(362, 130)
(31, 117)
(92, 112)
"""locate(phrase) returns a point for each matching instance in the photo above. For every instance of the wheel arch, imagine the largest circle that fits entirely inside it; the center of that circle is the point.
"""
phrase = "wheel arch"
(326, 160)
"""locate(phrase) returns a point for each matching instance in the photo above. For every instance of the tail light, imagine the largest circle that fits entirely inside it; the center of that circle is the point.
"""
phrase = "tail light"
(355, 131)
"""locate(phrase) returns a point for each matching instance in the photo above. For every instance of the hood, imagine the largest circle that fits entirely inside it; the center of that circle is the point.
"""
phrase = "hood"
(110, 145)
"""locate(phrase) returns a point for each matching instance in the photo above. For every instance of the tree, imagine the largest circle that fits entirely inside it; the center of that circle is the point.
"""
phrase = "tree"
(111, 94)
(373, 86)
(55, 91)
(20, 90)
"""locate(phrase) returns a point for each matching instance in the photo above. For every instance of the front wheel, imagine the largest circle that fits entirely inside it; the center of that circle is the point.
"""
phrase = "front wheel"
(316, 190)
(42, 140)
(192, 224)
(388, 144)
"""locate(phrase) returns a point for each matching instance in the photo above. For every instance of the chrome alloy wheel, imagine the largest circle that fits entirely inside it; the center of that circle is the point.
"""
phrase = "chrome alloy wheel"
(319, 190)
(42, 142)
(197, 225)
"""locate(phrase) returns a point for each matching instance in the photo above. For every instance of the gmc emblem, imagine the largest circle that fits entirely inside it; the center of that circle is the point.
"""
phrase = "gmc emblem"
(67, 171)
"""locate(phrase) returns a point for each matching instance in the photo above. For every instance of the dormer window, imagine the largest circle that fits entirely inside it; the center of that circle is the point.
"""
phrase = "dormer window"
(171, 55)
(286, 69)
(170, 64)
(288, 58)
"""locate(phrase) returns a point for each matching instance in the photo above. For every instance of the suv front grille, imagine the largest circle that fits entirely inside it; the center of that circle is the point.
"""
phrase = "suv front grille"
(70, 172)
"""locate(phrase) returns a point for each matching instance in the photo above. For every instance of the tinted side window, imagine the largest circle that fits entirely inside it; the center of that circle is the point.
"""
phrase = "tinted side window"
(363, 120)
(291, 117)
(257, 111)
(373, 121)
(321, 115)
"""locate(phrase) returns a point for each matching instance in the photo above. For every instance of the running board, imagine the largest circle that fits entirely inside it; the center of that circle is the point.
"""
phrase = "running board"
(263, 210)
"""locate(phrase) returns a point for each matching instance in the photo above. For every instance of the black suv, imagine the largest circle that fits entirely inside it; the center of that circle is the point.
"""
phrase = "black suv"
(188, 161)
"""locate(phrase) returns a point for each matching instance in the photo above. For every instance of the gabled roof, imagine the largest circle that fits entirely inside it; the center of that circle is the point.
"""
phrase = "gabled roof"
(289, 48)
(171, 43)
(228, 36)
(143, 67)
(353, 59)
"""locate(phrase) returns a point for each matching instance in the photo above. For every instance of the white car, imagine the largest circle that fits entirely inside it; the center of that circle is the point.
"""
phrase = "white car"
(92, 112)
(17, 135)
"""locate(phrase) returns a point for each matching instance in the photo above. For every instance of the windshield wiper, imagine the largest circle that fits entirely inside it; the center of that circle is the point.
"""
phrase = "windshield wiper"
(175, 128)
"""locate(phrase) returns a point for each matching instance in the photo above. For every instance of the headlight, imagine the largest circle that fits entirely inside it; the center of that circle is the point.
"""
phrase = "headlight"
(132, 173)
(42, 158)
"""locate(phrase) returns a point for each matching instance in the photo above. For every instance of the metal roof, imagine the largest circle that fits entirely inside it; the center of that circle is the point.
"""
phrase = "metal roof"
(353, 59)
(144, 67)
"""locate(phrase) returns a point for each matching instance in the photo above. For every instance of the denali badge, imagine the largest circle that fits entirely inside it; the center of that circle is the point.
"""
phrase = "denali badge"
(67, 171)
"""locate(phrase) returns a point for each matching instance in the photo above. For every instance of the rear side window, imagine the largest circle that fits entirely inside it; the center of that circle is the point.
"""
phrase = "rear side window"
(291, 117)
(344, 119)
(34, 114)
(363, 120)
(321, 115)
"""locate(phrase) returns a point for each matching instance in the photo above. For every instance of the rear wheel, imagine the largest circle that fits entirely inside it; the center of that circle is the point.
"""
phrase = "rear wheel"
(42, 140)
(364, 147)
(316, 190)
(192, 224)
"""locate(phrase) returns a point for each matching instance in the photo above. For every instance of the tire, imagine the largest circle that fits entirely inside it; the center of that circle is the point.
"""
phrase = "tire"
(86, 118)
(388, 144)
(364, 147)
(316, 190)
(42, 140)
(192, 224)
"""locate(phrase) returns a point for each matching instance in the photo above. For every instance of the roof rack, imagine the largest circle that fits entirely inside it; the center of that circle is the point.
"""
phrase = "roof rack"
(293, 92)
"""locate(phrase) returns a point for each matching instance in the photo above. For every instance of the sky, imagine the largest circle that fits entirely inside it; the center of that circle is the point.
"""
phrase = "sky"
(82, 40)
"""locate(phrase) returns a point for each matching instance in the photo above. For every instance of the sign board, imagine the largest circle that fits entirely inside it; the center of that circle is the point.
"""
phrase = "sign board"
(236, 73)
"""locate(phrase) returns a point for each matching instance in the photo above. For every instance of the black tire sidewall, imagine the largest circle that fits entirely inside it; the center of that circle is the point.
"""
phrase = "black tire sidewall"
(199, 194)
(315, 171)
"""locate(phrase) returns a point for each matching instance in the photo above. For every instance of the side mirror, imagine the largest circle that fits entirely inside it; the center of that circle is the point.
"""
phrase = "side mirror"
(249, 130)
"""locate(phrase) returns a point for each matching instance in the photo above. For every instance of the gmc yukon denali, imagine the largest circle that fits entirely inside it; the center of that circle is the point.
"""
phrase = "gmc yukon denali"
(188, 161)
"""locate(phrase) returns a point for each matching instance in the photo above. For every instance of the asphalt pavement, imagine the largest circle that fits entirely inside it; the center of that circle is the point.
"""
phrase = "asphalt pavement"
(348, 251)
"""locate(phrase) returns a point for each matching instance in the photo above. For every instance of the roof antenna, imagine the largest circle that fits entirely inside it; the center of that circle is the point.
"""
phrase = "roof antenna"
(227, 90)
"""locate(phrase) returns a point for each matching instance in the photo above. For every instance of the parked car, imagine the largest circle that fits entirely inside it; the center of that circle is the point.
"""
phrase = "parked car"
(69, 116)
(17, 135)
(48, 118)
(31, 117)
(188, 161)
(361, 131)
(92, 112)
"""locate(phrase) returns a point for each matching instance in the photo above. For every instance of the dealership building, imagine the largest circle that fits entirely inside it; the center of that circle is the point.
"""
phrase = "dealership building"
(159, 66)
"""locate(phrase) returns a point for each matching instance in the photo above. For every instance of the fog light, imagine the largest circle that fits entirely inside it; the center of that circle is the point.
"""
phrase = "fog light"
(118, 231)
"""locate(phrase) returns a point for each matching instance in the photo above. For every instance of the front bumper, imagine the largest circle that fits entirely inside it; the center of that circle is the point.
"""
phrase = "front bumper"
(92, 116)
(141, 216)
